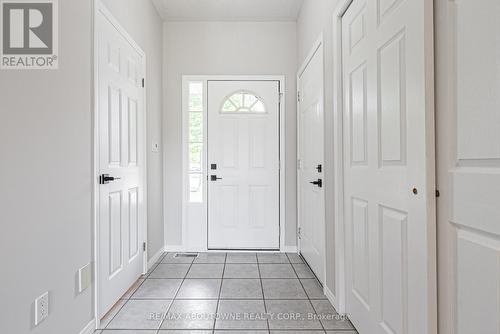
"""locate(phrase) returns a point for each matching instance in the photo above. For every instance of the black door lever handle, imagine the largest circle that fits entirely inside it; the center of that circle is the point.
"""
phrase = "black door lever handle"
(105, 178)
(318, 183)
(215, 178)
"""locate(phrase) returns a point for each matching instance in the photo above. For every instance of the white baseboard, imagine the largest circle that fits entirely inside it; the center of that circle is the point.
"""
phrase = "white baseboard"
(175, 248)
(179, 248)
(331, 297)
(289, 249)
(90, 328)
(155, 257)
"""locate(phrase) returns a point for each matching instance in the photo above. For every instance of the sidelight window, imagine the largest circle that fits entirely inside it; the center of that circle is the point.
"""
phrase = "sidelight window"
(195, 156)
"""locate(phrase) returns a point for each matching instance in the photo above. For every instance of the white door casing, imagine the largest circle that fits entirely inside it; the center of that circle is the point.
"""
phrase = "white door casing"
(389, 204)
(121, 203)
(468, 119)
(311, 197)
(243, 146)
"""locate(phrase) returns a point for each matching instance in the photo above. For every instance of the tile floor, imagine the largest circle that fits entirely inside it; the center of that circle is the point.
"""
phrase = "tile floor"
(251, 293)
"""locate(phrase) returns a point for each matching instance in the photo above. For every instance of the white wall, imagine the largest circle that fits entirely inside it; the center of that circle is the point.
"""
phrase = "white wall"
(45, 171)
(224, 48)
(142, 22)
(316, 18)
(46, 183)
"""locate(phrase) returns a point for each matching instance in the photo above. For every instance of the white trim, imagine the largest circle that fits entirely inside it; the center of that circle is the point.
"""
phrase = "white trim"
(175, 249)
(282, 178)
(99, 7)
(316, 46)
(95, 160)
(154, 259)
(90, 328)
(180, 249)
(290, 249)
(331, 296)
(338, 157)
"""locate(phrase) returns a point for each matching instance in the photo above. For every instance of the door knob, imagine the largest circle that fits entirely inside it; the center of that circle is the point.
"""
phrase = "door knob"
(105, 179)
(318, 183)
(215, 178)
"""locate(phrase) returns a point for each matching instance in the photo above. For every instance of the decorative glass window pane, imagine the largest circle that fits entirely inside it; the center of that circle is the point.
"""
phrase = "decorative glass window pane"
(249, 100)
(195, 96)
(195, 127)
(195, 154)
(229, 106)
(243, 102)
(259, 107)
(195, 188)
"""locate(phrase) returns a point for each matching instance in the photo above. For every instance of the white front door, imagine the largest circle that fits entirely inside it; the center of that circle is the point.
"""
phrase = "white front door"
(311, 165)
(389, 190)
(122, 210)
(468, 118)
(243, 164)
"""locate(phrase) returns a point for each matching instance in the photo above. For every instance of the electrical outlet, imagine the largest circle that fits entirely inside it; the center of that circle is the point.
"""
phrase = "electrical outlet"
(84, 278)
(41, 308)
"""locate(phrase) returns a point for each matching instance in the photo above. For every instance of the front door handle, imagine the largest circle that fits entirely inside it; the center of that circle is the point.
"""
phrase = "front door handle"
(215, 178)
(318, 183)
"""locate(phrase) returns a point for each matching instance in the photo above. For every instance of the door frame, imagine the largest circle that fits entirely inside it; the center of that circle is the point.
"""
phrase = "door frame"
(100, 9)
(338, 152)
(198, 211)
(317, 44)
(338, 127)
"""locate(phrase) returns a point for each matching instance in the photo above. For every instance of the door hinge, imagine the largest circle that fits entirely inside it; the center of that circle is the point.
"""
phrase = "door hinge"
(143, 83)
(298, 96)
(299, 232)
(144, 246)
(299, 164)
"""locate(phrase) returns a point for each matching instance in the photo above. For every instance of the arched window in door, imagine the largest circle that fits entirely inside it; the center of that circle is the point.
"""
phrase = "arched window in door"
(243, 102)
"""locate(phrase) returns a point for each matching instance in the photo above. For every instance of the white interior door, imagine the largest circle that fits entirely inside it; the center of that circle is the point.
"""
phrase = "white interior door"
(311, 165)
(389, 190)
(243, 164)
(122, 214)
(468, 118)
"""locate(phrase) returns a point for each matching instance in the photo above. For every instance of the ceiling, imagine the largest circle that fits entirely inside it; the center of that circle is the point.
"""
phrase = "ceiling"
(229, 10)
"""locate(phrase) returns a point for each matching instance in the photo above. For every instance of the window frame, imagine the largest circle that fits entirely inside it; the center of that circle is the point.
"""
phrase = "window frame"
(250, 111)
(189, 197)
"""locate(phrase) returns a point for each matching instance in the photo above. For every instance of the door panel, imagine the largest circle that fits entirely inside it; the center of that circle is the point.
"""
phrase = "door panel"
(388, 168)
(133, 219)
(115, 233)
(243, 142)
(469, 167)
(122, 215)
(311, 199)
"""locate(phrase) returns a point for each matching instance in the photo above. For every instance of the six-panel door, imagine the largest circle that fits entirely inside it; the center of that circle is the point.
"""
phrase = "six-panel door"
(121, 156)
(389, 166)
(311, 197)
